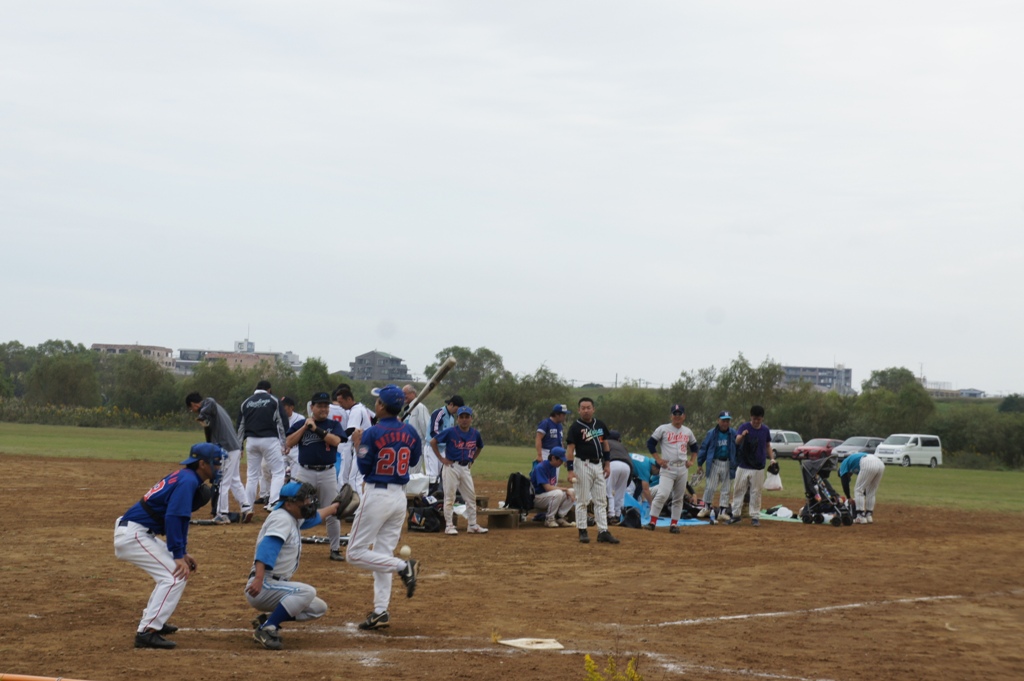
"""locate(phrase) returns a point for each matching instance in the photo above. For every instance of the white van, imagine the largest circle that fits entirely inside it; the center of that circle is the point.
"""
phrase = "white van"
(910, 449)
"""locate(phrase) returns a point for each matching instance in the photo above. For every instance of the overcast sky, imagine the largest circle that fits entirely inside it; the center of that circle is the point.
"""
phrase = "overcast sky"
(608, 189)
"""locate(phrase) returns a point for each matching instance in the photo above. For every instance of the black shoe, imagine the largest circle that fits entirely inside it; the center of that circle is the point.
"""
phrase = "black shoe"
(735, 519)
(409, 575)
(376, 621)
(337, 555)
(268, 637)
(755, 522)
(606, 538)
(674, 529)
(650, 526)
(584, 537)
(167, 630)
(153, 639)
(262, 500)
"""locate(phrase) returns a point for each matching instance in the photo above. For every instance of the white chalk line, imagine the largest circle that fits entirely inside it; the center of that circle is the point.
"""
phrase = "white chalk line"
(829, 608)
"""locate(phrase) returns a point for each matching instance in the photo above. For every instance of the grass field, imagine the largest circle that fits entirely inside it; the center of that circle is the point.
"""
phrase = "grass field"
(948, 487)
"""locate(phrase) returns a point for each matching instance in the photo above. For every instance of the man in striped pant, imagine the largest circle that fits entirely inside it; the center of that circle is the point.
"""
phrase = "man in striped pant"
(718, 452)
(587, 458)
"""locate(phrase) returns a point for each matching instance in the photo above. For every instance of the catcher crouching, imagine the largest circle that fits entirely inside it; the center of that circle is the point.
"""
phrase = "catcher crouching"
(278, 548)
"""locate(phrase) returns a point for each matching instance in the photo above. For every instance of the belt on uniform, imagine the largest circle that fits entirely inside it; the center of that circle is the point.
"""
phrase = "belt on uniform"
(266, 576)
(317, 468)
(678, 462)
(581, 458)
(463, 463)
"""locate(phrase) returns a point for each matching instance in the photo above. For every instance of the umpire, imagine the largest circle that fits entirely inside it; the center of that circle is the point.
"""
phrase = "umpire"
(318, 438)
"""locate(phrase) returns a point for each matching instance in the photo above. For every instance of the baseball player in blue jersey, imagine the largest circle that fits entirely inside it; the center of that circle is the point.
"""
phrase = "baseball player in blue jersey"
(869, 470)
(317, 439)
(555, 501)
(278, 550)
(384, 453)
(678, 447)
(458, 448)
(549, 432)
(441, 419)
(166, 509)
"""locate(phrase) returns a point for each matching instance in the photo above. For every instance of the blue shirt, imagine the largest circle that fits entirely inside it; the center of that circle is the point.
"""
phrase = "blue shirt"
(761, 436)
(551, 433)
(851, 464)
(543, 474)
(387, 451)
(642, 465)
(314, 450)
(460, 445)
(170, 501)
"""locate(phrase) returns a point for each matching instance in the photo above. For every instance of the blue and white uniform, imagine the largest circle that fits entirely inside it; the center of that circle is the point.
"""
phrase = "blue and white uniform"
(316, 461)
(555, 503)
(387, 452)
(460, 448)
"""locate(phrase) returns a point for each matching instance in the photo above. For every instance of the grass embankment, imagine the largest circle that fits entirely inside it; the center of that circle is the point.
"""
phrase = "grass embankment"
(948, 487)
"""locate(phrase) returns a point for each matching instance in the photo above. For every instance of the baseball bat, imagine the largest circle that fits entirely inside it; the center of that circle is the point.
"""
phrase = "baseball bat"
(441, 372)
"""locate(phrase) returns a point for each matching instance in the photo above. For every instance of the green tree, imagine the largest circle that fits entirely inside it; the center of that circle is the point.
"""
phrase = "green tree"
(892, 379)
(313, 377)
(883, 410)
(131, 381)
(473, 367)
(64, 379)
(1012, 403)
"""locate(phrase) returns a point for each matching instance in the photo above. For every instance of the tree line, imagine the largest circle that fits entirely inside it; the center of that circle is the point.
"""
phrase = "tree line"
(61, 374)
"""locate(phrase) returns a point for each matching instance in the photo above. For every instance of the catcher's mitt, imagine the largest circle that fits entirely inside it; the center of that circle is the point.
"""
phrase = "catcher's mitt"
(773, 468)
(347, 500)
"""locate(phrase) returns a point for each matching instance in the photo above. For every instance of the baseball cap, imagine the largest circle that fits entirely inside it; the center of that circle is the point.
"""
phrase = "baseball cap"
(205, 451)
(287, 401)
(678, 409)
(464, 410)
(288, 491)
(725, 415)
(457, 401)
(560, 409)
(320, 398)
(558, 452)
(391, 395)
(614, 435)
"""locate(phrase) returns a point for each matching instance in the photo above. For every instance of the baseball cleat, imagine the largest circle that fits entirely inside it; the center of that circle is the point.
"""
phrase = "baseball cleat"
(268, 637)
(550, 522)
(606, 538)
(674, 529)
(735, 519)
(584, 537)
(153, 639)
(450, 530)
(562, 522)
(724, 517)
(337, 555)
(860, 520)
(476, 529)
(167, 630)
(650, 526)
(704, 512)
(756, 522)
(871, 517)
(246, 515)
(221, 520)
(409, 575)
(376, 621)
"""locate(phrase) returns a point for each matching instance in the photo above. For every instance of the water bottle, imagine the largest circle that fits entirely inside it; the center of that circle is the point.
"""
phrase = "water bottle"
(713, 519)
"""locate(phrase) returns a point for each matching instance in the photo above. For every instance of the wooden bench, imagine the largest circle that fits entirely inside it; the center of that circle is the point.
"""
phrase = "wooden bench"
(497, 518)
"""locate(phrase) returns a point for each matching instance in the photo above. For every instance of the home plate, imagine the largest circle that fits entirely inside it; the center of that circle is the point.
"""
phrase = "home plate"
(533, 643)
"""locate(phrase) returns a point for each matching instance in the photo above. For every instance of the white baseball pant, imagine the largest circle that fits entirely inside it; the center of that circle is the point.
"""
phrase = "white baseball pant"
(378, 522)
(135, 544)
(326, 483)
(747, 479)
(258, 449)
(617, 482)
(590, 486)
(298, 599)
(718, 477)
(458, 477)
(672, 484)
(555, 503)
(231, 481)
(868, 480)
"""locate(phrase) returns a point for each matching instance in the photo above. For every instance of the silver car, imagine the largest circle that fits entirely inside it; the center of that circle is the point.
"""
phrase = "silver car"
(785, 441)
(858, 443)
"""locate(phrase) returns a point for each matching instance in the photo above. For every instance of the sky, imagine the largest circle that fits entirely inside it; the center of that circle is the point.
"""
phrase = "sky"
(616, 191)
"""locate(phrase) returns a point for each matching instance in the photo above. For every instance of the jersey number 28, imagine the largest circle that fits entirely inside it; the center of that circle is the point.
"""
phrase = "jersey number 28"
(390, 462)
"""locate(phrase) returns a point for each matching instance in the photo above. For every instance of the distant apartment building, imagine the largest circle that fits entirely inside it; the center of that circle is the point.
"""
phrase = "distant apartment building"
(836, 378)
(244, 356)
(379, 366)
(162, 356)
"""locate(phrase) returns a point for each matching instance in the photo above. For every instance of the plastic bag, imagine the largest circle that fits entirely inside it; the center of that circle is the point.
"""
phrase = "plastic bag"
(773, 482)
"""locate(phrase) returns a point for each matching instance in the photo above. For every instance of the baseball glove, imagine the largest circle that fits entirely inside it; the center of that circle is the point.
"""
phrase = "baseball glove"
(773, 468)
(347, 500)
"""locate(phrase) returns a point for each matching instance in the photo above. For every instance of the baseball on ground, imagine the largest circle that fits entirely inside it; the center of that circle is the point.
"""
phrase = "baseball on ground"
(405, 551)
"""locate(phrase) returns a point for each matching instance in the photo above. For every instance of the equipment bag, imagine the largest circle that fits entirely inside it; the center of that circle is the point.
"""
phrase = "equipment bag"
(425, 515)
(519, 494)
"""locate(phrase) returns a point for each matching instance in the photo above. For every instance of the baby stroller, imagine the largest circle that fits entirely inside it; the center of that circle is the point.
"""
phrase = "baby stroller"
(822, 499)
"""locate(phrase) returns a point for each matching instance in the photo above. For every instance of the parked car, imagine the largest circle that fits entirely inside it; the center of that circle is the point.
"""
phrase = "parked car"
(785, 441)
(858, 443)
(907, 449)
(816, 448)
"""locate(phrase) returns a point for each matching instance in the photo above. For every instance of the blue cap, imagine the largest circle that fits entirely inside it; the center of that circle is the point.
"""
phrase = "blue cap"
(559, 409)
(391, 395)
(678, 409)
(558, 452)
(205, 451)
(464, 410)
(320, 398)
(288, 491)
(725, 415)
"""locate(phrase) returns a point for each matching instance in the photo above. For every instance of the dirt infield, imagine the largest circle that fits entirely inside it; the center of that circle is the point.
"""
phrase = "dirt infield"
(921, 594)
